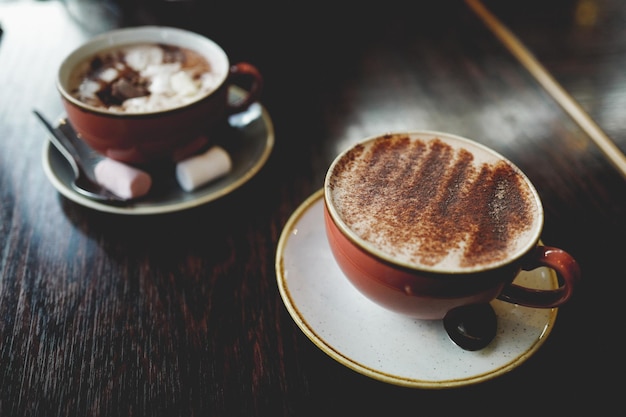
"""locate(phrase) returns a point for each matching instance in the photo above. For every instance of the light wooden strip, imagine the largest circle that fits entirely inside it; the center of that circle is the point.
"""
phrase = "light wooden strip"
(551, 85)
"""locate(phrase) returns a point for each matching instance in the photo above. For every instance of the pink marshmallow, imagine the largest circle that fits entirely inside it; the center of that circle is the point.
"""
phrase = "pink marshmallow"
(122, 180)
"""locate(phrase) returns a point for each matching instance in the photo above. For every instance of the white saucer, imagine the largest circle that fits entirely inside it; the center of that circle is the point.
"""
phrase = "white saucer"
(384, 345)
(249, 143)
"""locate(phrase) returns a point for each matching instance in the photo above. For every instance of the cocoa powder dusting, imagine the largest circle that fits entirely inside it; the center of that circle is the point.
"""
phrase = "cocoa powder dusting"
(428, 199)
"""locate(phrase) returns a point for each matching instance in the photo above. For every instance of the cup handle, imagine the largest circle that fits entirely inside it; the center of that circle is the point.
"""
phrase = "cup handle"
(243, 71)
(567, 271)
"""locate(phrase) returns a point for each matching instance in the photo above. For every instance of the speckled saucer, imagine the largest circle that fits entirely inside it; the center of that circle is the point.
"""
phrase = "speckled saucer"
(384, 345)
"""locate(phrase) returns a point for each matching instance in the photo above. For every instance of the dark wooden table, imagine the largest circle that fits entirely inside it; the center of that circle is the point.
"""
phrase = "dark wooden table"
(180, 313)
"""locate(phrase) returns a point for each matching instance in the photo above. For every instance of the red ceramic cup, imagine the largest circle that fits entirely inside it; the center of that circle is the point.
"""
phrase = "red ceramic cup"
(153, 136)
(424, 222)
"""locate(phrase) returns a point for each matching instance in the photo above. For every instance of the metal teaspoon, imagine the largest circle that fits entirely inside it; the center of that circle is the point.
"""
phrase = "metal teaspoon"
(83, 182)
(471, 327)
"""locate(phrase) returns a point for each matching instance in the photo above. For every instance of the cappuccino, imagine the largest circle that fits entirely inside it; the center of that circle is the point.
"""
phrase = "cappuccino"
(436, 202)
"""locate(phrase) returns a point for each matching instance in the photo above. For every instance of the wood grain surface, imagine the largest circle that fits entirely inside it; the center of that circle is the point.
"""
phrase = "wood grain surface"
(180, 314)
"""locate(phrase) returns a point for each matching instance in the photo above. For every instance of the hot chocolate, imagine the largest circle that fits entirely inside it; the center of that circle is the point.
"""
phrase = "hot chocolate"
(143, 77)
(442, 205)
(152, 94)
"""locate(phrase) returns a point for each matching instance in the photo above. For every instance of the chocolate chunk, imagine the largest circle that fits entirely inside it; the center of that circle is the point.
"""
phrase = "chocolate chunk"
(172, 53)
(124, 88)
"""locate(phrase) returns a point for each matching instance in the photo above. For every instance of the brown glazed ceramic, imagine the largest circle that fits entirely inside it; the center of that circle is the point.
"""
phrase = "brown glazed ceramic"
(144, 138)
(430, 292)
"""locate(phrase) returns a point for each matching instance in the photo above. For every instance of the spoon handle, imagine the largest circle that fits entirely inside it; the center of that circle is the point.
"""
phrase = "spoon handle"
(62, 143)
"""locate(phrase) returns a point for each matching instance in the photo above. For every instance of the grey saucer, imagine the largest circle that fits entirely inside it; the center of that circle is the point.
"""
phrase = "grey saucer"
(249, 141)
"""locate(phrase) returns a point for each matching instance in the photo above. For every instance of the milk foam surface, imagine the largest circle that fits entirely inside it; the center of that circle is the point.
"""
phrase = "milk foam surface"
(434, 204)
(144, 78)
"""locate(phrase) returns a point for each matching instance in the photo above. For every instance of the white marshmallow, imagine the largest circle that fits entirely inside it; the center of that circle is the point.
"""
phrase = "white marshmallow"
(89, 88)
(198, 170)
(209, 81)
(160, 84)
(155, 70)
(109, 75)
(122, 180)
(182, 84)
(138, 58)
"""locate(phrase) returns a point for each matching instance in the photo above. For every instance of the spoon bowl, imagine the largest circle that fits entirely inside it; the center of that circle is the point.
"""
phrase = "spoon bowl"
(471, 327)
